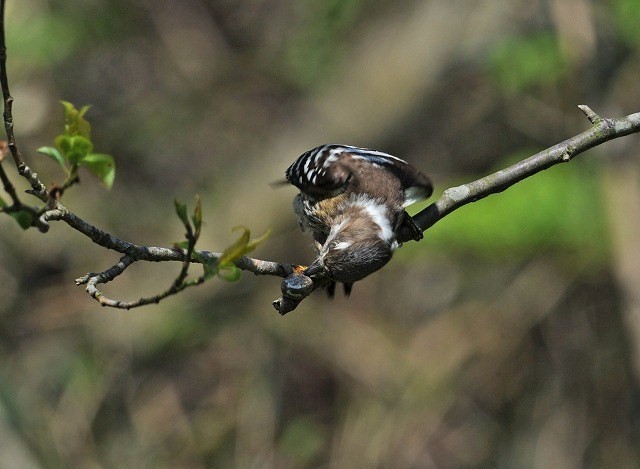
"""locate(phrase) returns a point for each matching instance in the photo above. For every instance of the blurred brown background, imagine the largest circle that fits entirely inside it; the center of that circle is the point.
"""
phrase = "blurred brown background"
(508, 337)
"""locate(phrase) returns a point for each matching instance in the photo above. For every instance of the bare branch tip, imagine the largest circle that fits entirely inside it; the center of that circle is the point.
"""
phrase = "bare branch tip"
(285, 305)
(591, 115)
(82, 280)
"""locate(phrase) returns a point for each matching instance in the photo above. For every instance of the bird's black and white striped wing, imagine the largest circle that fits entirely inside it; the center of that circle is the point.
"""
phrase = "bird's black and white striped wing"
(320, 171)
(326, 170)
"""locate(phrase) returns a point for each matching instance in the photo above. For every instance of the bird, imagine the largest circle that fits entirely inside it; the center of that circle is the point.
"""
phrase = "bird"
(353, 202)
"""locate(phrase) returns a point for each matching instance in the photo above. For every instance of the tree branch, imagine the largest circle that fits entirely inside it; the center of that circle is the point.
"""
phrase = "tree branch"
(37, 188)
(134, 253)
(602, 130)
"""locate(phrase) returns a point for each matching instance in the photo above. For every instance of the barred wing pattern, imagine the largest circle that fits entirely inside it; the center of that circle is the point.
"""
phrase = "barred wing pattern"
(326, 170)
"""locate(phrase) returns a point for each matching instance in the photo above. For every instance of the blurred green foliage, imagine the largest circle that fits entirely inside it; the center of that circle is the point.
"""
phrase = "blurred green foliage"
(559, 209)
(302, 441)
(317, 42)
(520, 62)
(46, 38)
(626, 14)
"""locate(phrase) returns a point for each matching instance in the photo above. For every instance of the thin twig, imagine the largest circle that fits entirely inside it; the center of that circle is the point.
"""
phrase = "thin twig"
(37, 188)
(93, 279)
(6, 183)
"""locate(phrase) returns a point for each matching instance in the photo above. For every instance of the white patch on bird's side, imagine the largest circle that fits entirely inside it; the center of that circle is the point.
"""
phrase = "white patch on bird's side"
(335, 230)
(342, 245)
(377, 212)
(413, 194)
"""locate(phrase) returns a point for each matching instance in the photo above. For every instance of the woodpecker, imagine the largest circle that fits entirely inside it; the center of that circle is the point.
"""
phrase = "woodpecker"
(352, 200)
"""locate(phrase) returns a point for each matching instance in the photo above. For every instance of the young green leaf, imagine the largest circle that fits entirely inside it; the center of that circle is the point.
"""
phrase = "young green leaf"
(23, 217)
(74, 122)
(181, 210)
(181, 245)
(210, 269)
(229, 272)
(101, 165)
(197, 217)
(237, 249)
(73, 148)
(55, 155)
(242, 246)
(251, 245)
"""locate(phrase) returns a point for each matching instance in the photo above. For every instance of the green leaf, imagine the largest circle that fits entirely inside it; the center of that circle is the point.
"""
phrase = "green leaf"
(197, 217)
(181, 210)
(242, 246)
(74, 148)
(74, 122)
(237, 249)
(103, 166)
(182, 245)
(229, 272)
(23, 217)
(210, 269)
(254, 243)
(54, 154)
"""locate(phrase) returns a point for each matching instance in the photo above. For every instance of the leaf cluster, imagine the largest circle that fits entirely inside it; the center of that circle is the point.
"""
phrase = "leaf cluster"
(224, 266)
(74, 149)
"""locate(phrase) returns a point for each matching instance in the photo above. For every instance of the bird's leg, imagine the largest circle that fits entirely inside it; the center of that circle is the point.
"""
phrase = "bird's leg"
(410, 223)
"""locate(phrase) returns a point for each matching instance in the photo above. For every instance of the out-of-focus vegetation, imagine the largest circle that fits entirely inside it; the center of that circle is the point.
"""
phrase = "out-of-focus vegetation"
(508, 337)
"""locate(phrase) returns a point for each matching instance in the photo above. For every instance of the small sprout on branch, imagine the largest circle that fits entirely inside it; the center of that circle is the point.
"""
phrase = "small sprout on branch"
(74, 148)
(181, 211)
(225, 267)
(192, 236)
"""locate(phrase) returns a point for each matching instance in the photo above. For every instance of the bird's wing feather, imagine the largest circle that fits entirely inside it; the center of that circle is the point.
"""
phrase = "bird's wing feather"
(326, 170)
